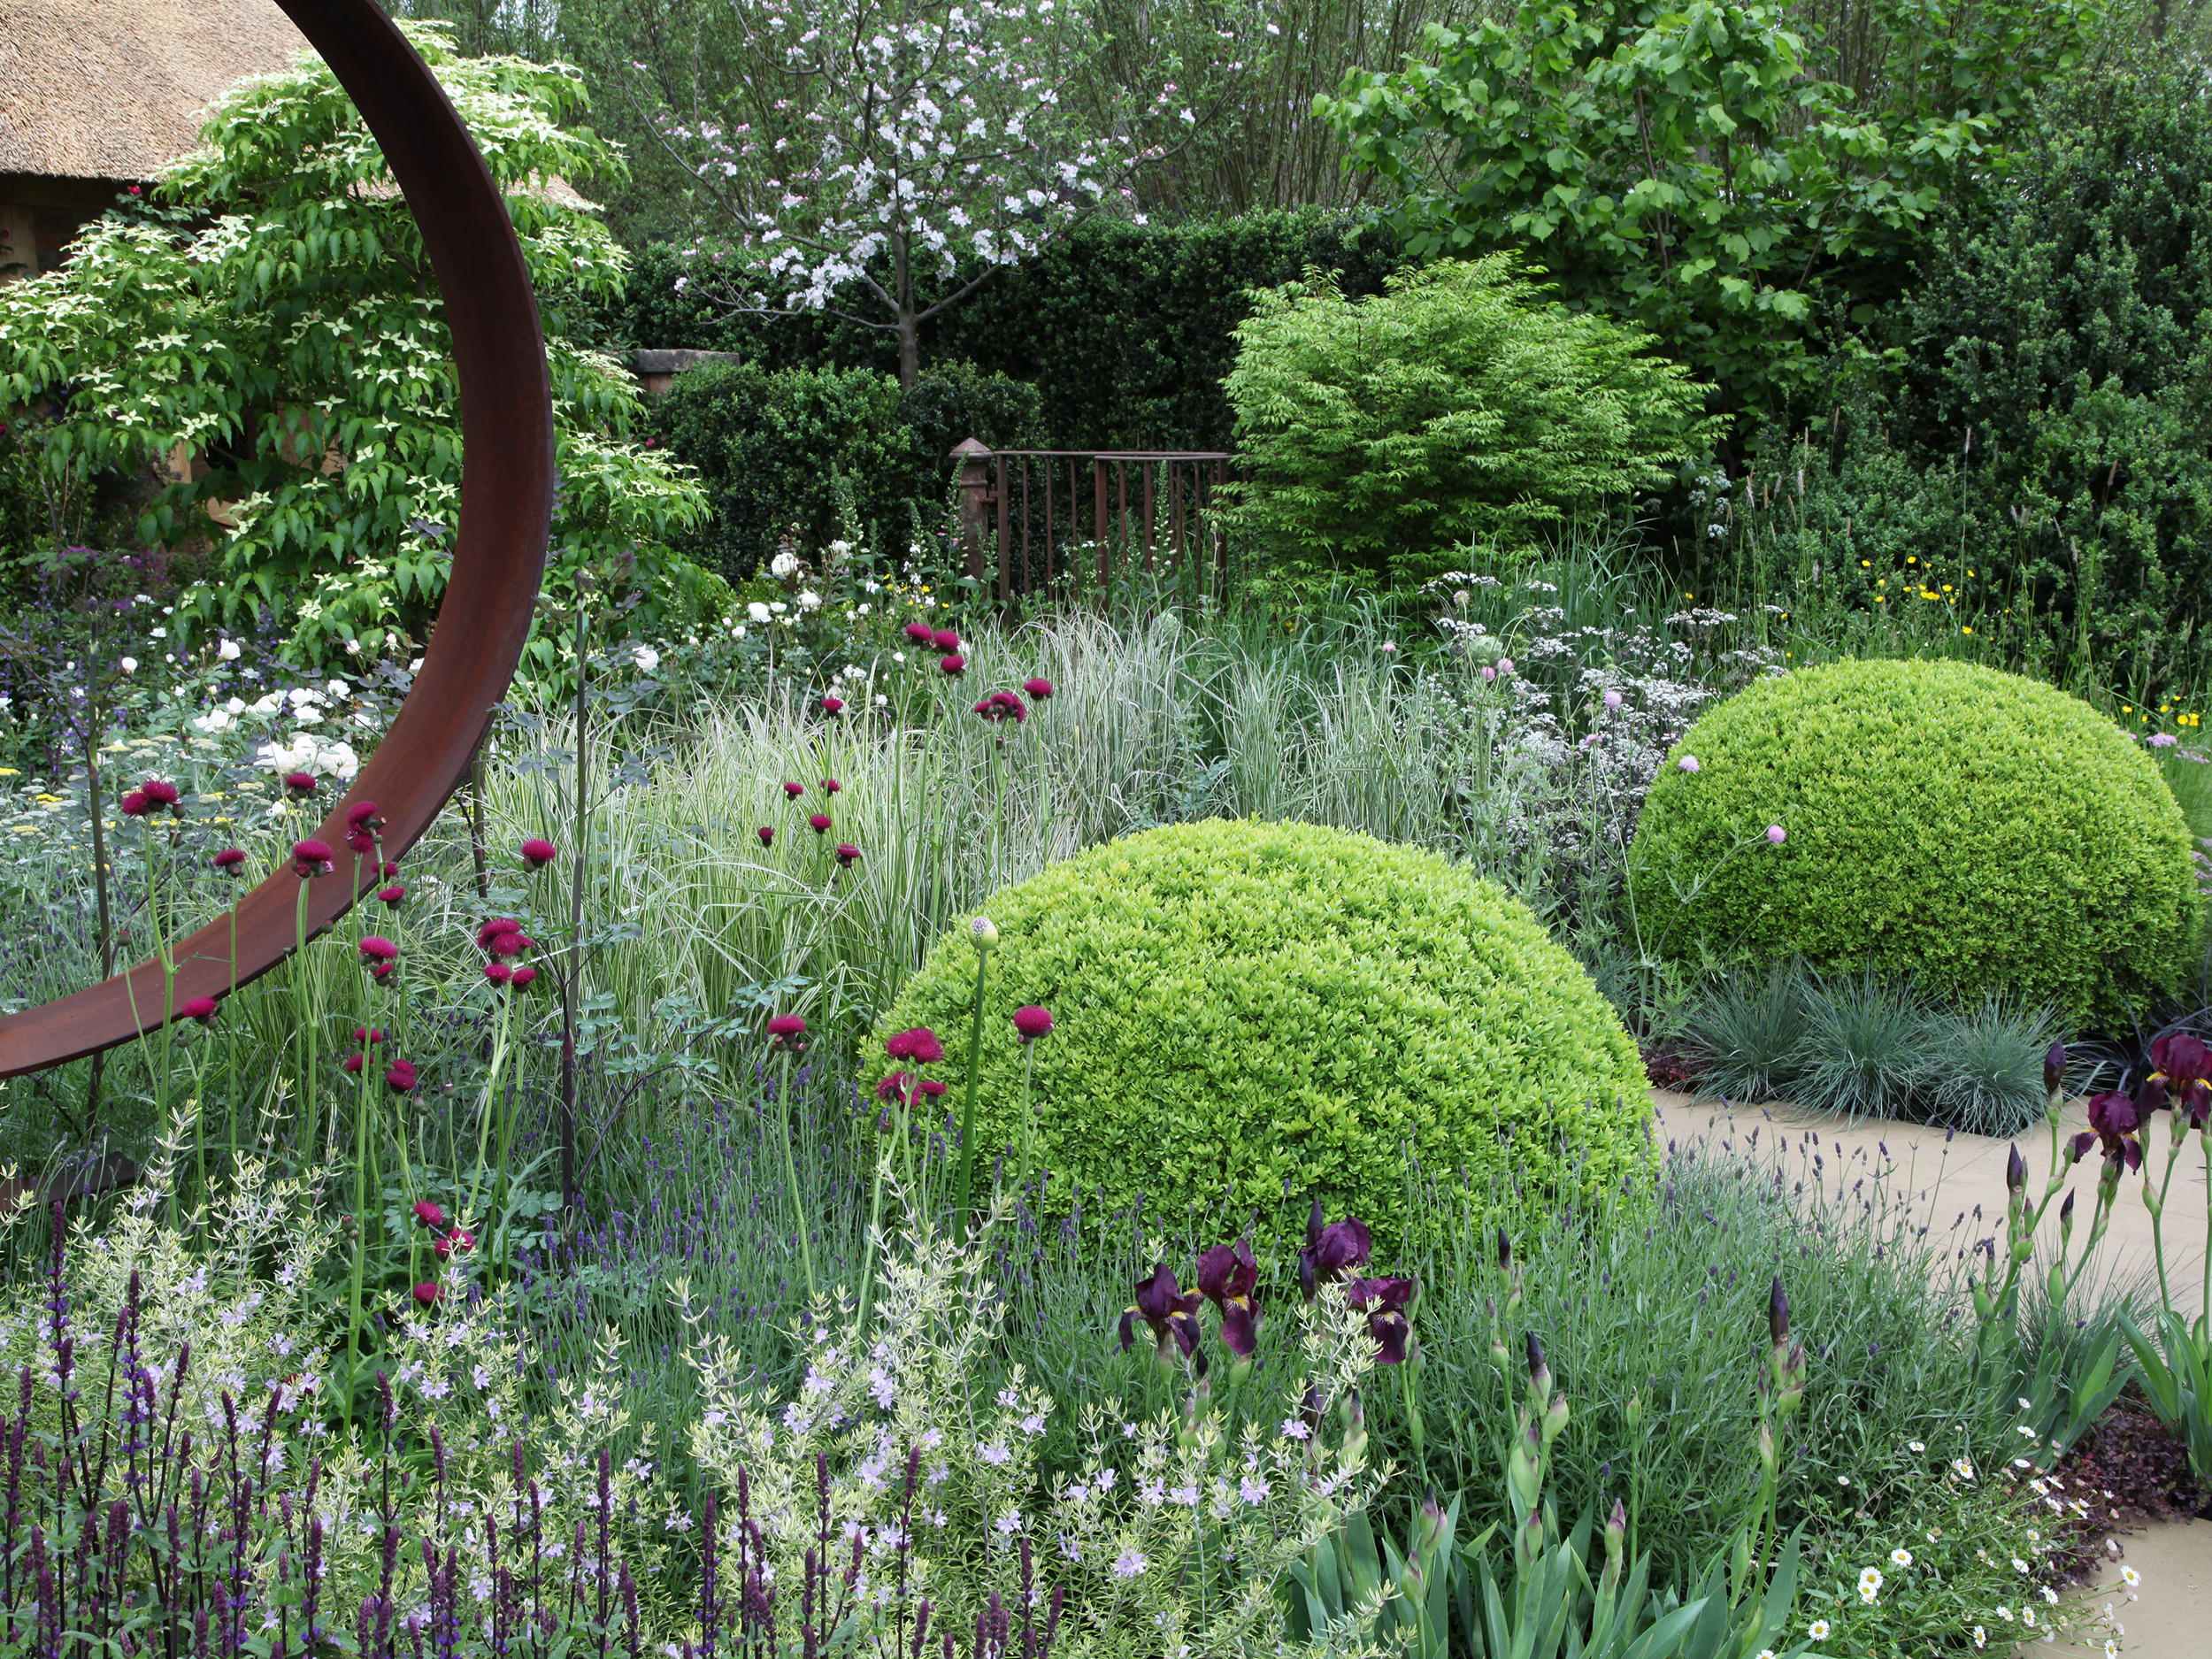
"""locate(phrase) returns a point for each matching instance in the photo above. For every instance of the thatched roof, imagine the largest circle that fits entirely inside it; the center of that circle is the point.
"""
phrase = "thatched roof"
(116, 88)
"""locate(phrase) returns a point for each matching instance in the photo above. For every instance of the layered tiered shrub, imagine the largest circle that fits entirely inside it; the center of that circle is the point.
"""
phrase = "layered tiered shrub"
(1978, 831)
(1250, 1014)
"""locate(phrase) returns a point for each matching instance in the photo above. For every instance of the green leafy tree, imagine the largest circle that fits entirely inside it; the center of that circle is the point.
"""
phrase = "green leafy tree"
(1685, 165)
(1460, 404)
(273, 317)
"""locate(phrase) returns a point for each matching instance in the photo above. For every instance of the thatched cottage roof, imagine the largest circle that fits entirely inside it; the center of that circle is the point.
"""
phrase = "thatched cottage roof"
(116, 88)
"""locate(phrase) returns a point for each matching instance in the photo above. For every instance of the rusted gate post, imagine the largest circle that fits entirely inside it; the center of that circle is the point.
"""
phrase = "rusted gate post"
(974, 460)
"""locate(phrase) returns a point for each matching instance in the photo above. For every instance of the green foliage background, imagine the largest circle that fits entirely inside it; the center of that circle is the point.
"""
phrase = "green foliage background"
(1252, 1014)
(1460, 404)
(1978, 831)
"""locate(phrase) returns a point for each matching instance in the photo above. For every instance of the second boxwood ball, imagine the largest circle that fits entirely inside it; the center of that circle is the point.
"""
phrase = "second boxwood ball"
(1975, 830)
(1249, 1015)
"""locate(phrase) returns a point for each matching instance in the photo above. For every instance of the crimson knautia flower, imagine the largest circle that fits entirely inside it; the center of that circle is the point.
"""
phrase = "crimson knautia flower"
(353, 1064)
(919, 1045)
(199, 1008)
(363, 815)
(2112, 1122)
(497, 972)
(299, 785)
(955, 665)
(786, 1030)
(1039, 690)
(929, 1087)
(846, 853)
(399, 1076)
(428, 1294)
(1227, 1275)
(376, 948)
(231, 861)
(538, 852)
(1168, 1309)
(1031, 1022)
(368, 1034)
(830, 786)
(767, 833)
(920, 633)
(134, 803)
(160, 791)
(894, 1087)
(945, 640)
(1384, 1302)
(392, 896)
(523, 977)
(820, 823)
(430, 1215)
(792, 791)
(1002, 706)
(312, 859)
(832, 705)
(1331, 1250)
(460, 1239)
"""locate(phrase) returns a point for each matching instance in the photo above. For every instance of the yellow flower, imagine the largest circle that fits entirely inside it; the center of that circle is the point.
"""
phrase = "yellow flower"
(1912, 558)
(1866, 564)
(1878, 599)
(7, 771)
(1966, 630)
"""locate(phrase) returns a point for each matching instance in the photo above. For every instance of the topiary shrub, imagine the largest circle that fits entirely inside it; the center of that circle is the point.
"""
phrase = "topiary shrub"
(1978, 831)
(1250, 1013)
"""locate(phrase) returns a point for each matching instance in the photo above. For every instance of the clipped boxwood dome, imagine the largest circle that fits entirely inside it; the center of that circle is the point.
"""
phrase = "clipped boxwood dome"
(1244, 1008)
(1976, 830)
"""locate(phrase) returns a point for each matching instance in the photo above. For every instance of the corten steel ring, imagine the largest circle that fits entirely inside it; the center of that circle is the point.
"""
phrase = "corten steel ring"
(498, 556)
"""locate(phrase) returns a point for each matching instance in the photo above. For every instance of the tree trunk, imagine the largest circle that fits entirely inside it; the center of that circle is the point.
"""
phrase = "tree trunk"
(909, 348)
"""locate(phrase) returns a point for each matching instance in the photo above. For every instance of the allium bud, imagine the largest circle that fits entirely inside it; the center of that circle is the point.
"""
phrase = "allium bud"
(983, 932)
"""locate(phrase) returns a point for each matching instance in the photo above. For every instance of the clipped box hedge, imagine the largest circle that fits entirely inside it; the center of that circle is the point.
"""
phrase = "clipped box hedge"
(1253, 1014)
(1978, 831)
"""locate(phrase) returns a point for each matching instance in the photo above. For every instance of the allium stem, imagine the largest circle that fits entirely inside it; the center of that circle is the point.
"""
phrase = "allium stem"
(967, 1108)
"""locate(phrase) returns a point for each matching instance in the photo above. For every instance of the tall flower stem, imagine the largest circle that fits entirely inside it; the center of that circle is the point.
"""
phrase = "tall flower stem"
(572, 988)
(791, 1173)
(360, 1223)
(303, 1000)
(484, 1115)
(975, 1062)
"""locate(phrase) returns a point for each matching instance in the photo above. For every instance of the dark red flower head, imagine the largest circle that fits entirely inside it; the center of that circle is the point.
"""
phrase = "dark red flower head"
(930, 1086)
(199, 1008)
(894, 1087)
(502, 936)
(846, 853)
(955, 665)
(1039, 690)
(1331, 1250)
(382, 972)
(361, 842)
(830, 786)
(820, 823)
(792, 791)
(1227, 1275)
(538, 853)
(767, 834)
(428, 1294)
(430, 1215)
(231, 861)
(1031, 1022)
(945, 640)
(1002, 705)
(497, 972)
(392, 896)
(832, 705)
(2113, 1123)
(135, 803)
(161, 794)
(523, 977)
(399, 1076)
(368, 1034)
(363, 815)
(920, 633)
(299, 785)
(919, 1045)
(376, 948)
(786, 1030)
(1168, 1309)
(1384, 1302)
(312, 859)
(389, 871)
(353, 1064)
(460, 1239)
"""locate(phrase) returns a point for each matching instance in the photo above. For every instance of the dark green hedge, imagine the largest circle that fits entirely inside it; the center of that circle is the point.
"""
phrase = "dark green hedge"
(1125, 329)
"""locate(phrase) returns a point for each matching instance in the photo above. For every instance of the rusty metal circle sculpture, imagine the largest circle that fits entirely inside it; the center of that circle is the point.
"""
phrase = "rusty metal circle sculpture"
(498, 556)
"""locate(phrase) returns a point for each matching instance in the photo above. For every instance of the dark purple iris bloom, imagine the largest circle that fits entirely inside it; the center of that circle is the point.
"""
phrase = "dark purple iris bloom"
(1330, 1251)
(1227, 1275)
(1384, 1302)
(2113, 1121)
(2184, 1066)
(1169, 1310)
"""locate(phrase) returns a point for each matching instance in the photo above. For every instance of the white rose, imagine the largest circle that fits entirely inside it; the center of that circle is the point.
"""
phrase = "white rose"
(759, 611)
(809, 599)
(234, 706)
(646, 657)
(228, 650)
(783, 566)
(130, 664)
(339, 689)
(269, 704)
(213, 721)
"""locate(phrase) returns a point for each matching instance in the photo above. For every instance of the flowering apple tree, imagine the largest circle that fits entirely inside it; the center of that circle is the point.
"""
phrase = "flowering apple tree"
(884, 157)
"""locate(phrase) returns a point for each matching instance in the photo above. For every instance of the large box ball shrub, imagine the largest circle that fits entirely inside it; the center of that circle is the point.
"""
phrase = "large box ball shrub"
(1248, 1013)
(1978, 831)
